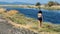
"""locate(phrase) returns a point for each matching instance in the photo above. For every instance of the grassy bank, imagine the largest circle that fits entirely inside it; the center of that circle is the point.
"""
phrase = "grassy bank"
(47, 27)
(31, 23)
(51, 8)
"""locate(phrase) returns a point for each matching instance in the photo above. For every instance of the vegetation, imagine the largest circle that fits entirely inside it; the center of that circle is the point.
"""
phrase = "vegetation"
(51, 3)
(2, 10)
(38, 5)
(12, 12)
(51, 8)
(33, 24)
(30, 22)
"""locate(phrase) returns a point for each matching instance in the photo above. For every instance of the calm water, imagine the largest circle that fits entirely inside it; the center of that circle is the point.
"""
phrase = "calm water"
(52, 16)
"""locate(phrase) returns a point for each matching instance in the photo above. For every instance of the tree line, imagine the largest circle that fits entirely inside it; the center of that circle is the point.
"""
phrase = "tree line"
(50, 3)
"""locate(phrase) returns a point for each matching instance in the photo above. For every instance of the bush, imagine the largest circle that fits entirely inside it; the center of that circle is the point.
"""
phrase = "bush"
(12, 12)
(2, 10)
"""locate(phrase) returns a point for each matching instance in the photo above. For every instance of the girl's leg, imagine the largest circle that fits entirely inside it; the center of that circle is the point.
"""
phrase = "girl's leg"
(40, 23)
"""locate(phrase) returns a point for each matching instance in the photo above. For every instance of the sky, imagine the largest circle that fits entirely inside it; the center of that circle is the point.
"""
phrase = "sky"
(29, 1)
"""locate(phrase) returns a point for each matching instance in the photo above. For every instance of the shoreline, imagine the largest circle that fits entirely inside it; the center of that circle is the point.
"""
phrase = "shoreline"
(33, 7)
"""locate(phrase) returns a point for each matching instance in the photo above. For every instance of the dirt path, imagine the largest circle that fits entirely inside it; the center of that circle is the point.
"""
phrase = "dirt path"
(7, 28)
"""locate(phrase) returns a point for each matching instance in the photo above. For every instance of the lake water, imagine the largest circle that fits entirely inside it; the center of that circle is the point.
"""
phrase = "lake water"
(52, 16)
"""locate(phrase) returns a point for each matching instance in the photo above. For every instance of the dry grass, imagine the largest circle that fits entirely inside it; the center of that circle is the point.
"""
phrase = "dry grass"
(19, 20)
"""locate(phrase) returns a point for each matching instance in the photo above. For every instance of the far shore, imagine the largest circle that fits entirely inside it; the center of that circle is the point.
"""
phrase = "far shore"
(55, 7)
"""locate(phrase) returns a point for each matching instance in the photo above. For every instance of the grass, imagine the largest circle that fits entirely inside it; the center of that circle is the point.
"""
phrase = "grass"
(23, 20)
(51, 8)
(47, 27)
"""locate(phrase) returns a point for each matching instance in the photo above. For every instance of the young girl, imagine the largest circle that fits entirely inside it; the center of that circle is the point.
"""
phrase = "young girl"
(40, 18)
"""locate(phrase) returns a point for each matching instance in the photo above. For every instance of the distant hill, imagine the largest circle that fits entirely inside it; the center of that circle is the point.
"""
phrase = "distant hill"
(15, 3)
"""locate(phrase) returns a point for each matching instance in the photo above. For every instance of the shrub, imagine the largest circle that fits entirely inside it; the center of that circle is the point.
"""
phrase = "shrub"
(12, 12)
(2, 10)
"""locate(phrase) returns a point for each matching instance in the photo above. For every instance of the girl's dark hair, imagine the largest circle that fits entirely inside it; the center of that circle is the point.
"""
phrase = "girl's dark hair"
(40, 11)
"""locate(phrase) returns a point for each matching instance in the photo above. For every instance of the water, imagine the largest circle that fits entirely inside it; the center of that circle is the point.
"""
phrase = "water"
(52, 16)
